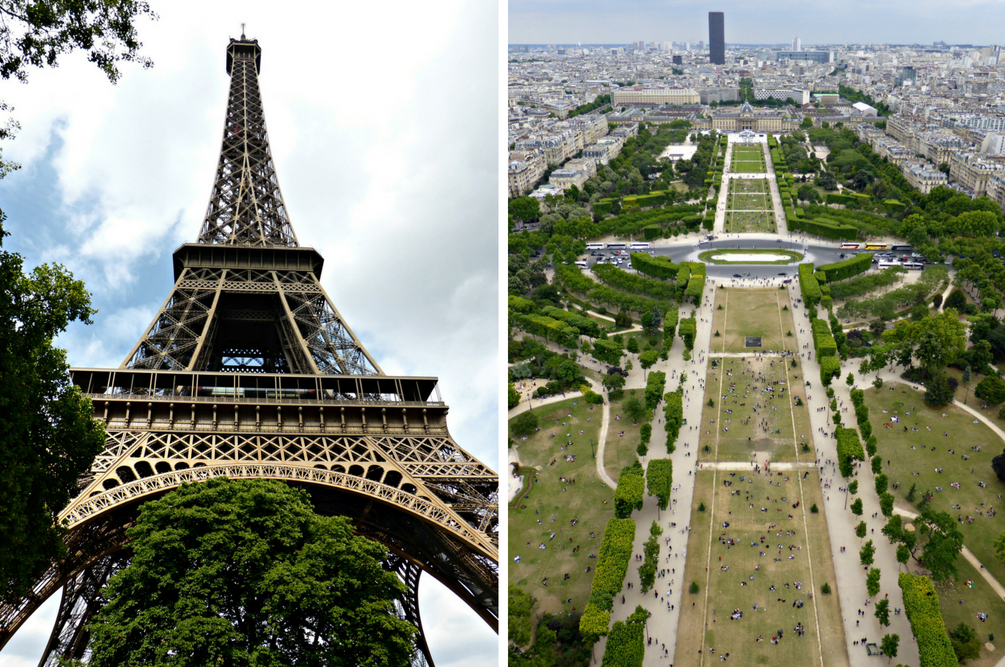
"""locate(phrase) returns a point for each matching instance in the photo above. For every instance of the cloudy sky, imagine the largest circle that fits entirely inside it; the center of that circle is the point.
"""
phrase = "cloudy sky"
(778, 21)
(383, 123)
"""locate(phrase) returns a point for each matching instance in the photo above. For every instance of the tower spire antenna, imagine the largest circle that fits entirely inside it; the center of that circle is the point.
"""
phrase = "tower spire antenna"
(246, 205)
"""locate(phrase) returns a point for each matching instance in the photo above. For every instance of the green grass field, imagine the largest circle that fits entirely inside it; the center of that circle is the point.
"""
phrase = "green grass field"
(587, 500)
(909, 460)
(747, 167)
(763, 523)
(757, 420)
(749, 202)
(980, 598)
(750, 221)
(752, 312)
(620, 449)
(748, 195)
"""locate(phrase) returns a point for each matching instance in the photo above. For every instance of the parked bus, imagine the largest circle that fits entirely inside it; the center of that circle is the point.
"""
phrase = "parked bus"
(906, 247)
(582, 263)
(847, 246)
(594, 246)
(913, 266)
(617, 246)
(889, 264)
(875, 246)
(640, 246)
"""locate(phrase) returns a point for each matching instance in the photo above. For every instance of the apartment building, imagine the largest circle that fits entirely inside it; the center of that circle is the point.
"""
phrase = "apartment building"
(924, 177)
(972, 172)
(525, 169)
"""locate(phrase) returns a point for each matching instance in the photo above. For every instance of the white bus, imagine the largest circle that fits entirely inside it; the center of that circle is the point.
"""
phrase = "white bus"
(894, 265)
(594, 246)
(640, 246)
(913, 266)
(850, 246)
(617, 246)
(582, 263)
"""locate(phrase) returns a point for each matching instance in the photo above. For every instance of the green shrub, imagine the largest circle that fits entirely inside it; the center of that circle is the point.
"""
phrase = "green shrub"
(694, 587)
(825, 589)
(847, 268)
(849, 449)
(612, 562)
(628, 493)
(921, 604)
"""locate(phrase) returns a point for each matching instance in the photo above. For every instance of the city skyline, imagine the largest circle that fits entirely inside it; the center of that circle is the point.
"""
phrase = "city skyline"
(607, 22)
(115, 177)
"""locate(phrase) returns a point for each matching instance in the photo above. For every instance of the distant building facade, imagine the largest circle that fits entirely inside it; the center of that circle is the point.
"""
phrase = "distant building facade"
(653, 97)
(806, 56)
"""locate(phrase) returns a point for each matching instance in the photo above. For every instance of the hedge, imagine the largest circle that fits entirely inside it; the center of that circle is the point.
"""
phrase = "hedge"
(823, 339)
(659, 479)
(695, 287)
(650, 232)
(549, 328)
(574, 281)
(625, 645)
(921, 604)
(809, 285)
(521, 305)
(696, 267)
(634, 284)
(688, 329)
(683, 276)
(830, 368)
(655, 384)
(657, 267)
(612, 562)
(628, 492)
(849, 449)
(848, 268)
(584, 325)
(594, 622)
(821, 227)
(673, 411)
(608, 350)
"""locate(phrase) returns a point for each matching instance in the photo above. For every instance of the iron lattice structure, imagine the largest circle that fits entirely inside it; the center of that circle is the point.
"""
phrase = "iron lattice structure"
(249, 371)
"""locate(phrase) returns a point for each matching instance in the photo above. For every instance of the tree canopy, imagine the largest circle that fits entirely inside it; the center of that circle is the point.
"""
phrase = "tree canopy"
(48, 436)
(243, 572)
(36, 34)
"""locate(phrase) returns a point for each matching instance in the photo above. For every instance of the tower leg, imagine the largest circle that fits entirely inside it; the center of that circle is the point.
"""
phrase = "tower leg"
(81, 600)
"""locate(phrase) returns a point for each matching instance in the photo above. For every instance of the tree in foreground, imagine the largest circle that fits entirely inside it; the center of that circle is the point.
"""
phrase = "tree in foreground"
(966, 644)
(883, 612)
(889, 645)
(866, 553)
(243, 572)
(872, 582)
(48, 436)
(998, 465)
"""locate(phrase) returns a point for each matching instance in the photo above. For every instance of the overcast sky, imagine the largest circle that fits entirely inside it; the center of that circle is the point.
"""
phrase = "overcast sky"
(779, 21)
(383, 124)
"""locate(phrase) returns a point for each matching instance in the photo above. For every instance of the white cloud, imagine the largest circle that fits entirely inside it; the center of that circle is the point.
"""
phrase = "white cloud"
(383, 126)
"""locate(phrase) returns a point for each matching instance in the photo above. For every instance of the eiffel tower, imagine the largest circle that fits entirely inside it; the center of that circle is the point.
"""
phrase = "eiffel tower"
(249, 371)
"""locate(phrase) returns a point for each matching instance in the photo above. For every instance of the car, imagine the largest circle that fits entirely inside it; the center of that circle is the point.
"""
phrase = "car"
(737, 275)
(782, 273)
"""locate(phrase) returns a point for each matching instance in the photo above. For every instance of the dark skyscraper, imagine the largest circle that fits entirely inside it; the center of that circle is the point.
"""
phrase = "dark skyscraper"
(716, 38)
